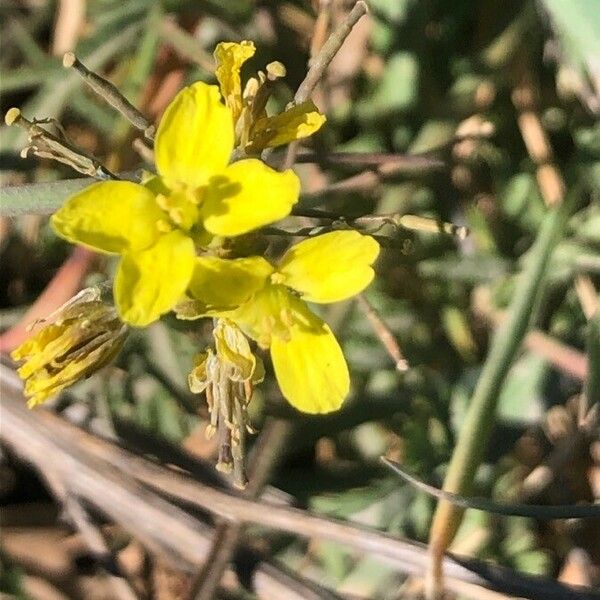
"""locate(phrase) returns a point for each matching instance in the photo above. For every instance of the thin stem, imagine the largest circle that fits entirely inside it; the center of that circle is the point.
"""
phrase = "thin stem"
(410, 162)
(479, 419)
(320, 63)
(108, 92)
(383, 332)
(533, 511)
(328, 51)
(44, 144)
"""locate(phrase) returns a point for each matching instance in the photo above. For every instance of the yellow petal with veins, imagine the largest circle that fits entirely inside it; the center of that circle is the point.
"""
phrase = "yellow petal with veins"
(149, 283)
(329, 267)
(293, 124)
(221, 284)
(311, 370)
(194, 138)
(272, 312)
(247, 195)
(110, 216)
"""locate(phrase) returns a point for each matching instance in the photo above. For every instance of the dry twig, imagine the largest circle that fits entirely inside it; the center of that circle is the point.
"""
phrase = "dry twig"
(103, 475)
(320, 63)
(386, 337)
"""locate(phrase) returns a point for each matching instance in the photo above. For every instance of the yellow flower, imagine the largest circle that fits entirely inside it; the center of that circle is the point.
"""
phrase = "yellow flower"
(254, 129)
(228, 377)
(154, 225)
(268, 303)
(84, 335)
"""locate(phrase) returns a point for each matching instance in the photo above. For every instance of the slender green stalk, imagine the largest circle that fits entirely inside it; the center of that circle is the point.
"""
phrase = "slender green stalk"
(478, 422)
(591, 393)
(43, 198)
(38, 198)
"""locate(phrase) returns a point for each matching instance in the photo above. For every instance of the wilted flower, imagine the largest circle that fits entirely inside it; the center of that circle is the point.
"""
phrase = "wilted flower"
(253, 128)
(228, 376)
(82, 336)
(268, 304)
(155, 226)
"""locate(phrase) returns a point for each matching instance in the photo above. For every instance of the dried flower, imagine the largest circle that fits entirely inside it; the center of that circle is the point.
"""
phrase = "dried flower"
(228, 376)
(255, 130)
(81, 337)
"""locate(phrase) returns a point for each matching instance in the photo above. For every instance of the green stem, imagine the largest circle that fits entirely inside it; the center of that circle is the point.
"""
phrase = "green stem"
(591, 393)
(44, 198)
(473, 437)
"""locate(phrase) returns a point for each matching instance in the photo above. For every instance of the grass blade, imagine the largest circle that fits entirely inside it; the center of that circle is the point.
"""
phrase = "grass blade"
(479, 419)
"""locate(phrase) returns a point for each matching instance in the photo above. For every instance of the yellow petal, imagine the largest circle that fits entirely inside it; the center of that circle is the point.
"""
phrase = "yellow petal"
(149, 283)
(45, 383)
(272, 312)
(248, 195)
(330, 267)
(221, 284)
(39, 350)
(230, 57)
(311, 370)
(293, 124)
(110, 216)
(194, 138)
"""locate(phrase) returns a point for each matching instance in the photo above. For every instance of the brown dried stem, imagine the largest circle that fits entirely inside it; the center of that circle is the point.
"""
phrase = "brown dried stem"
(320, 63)
(92, 470)
(44, 144)
(108, 92)
(104, 476)
(382, 331)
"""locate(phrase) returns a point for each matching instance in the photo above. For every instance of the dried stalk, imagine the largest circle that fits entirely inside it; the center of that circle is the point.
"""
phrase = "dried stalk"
(44, 144)
(109, 93)
(532, 511)
(319, 65)
(328, 51)
(104, 475)
(386, 337)
(161, 526)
